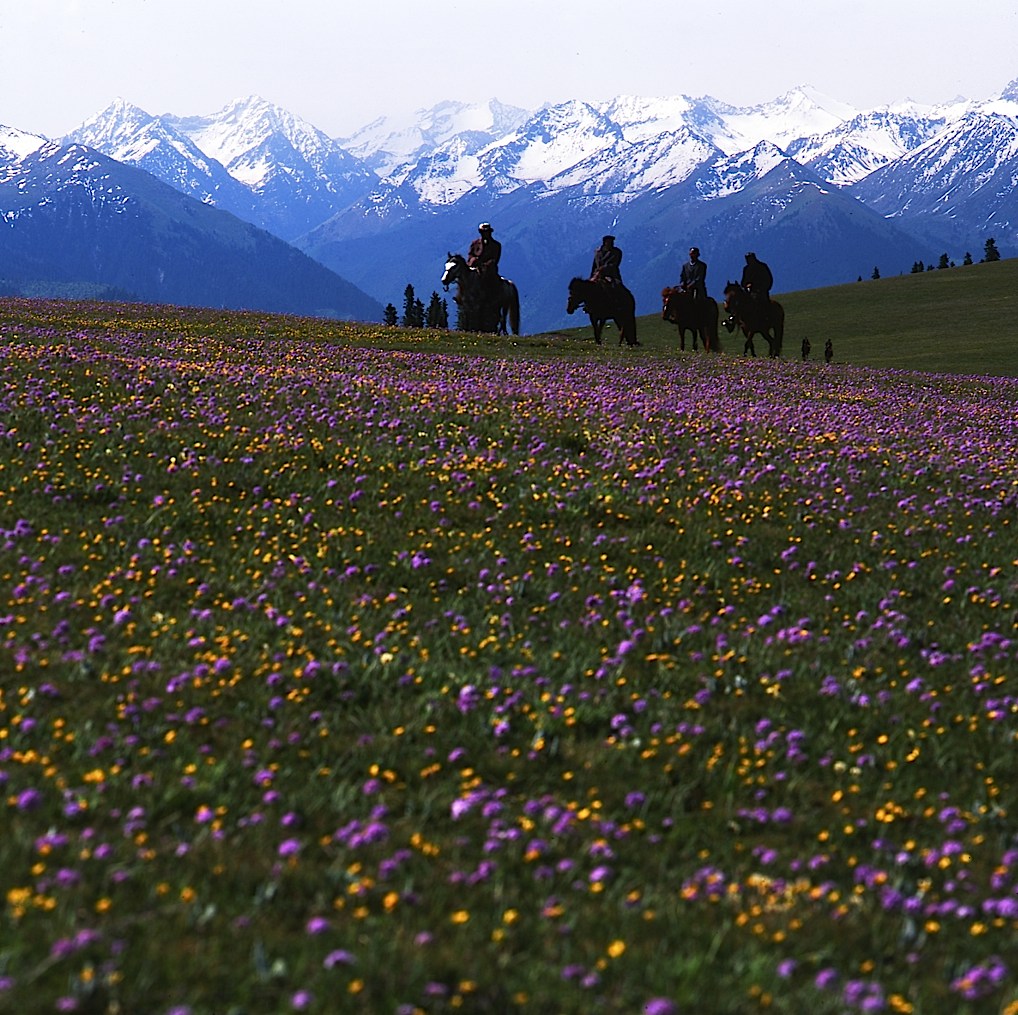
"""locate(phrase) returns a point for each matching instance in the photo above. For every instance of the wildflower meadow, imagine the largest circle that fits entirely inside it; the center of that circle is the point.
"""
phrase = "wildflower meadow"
(352, 669)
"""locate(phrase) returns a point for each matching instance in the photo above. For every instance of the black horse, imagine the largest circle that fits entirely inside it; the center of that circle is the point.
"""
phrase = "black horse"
(700, 319)
(479, 310)
(605, 302)
(752, 318)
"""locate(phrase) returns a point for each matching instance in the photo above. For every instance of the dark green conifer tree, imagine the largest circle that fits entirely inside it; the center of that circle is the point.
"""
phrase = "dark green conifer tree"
(407, 319)
(438, 314)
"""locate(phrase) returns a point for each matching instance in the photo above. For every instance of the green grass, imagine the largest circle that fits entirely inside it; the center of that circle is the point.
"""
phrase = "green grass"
(365, 669)
(951, 320)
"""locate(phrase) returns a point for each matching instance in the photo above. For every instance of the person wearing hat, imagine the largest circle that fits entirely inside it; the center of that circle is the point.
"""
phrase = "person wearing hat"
(757, 278)
(693, 277)
(607, 262)
(484, 254)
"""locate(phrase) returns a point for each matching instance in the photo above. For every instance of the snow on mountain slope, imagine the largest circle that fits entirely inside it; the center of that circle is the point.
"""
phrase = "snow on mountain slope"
(973, 158)
(129, 134)
(16, 145)
(801, 112)
(392, 141)
(237, 137)
(630, 169)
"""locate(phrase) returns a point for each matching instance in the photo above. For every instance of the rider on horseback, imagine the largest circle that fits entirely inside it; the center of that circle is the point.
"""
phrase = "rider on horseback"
(607, 263)
(484, 254)
(758, 281)
(693, 277)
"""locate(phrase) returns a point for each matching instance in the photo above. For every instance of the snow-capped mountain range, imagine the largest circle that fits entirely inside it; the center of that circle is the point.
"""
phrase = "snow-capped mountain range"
(823, 191)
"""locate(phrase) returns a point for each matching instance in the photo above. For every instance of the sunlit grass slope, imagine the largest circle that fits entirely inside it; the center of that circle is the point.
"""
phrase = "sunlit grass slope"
(365, 670)
(955, 320)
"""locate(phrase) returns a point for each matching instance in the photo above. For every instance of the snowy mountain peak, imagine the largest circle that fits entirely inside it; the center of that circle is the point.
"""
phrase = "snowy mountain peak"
(118, 119)
(1010, 91)
(394, 141)
(16, 145)
(800, 112)
(245, 124)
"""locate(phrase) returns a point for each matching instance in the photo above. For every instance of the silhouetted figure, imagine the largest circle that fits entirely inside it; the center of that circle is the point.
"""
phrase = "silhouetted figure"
(828, 352)
(693, 277)
(757, 278)
(484, 254)
(607, 264)
(806, 347)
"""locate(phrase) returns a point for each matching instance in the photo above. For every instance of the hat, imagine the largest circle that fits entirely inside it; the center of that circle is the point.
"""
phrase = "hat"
(750, 256)
(607, 239)
(485, 227)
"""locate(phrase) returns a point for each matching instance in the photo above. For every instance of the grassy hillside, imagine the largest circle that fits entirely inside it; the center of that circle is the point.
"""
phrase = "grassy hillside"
(361, 669)
(954, 320)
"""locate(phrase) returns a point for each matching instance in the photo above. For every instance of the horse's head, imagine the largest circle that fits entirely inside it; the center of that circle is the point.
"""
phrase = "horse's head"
(670, 296)
(734, 294)
(576, 296)
(451, 273)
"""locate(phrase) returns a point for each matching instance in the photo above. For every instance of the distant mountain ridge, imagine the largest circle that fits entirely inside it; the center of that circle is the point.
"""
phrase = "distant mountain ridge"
(72, 217)
(823, 191)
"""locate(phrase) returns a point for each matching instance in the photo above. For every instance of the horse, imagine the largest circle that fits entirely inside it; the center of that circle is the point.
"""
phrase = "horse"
(678, 306)
(604, 302)
(480, 311)
(744, 312)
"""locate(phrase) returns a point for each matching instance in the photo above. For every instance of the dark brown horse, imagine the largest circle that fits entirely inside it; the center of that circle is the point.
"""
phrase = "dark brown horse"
(746, 313)
(481, 311)
(605, 302)
(698, 318)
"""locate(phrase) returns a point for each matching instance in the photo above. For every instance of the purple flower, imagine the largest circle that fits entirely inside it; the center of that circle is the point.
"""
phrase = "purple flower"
(468, 699)
(826, 978)
(659, 1006)
(339, 957)
(28, 799)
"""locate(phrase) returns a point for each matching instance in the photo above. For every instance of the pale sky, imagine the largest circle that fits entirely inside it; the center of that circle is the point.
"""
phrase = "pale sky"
(341, 63)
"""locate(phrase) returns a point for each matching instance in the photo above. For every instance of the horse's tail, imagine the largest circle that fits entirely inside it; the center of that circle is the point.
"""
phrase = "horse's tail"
(629, 316)
(631, 330)
(778, 323)
(514, 308)
(713, 316)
